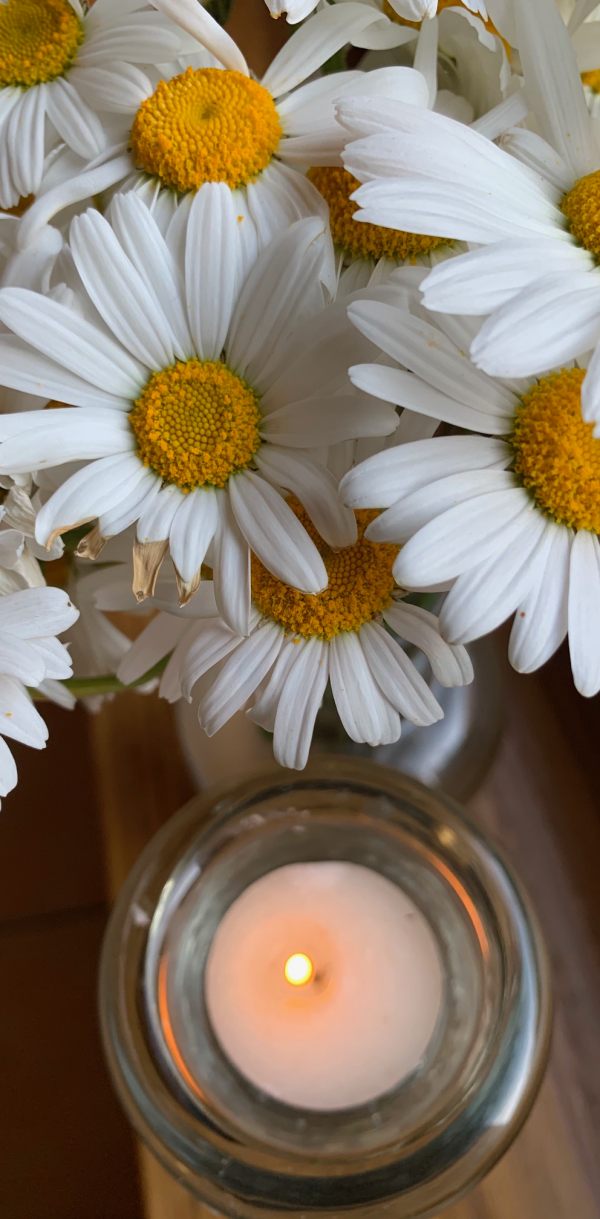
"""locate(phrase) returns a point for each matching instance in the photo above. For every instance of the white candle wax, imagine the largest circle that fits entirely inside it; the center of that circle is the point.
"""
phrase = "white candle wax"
(324, 984)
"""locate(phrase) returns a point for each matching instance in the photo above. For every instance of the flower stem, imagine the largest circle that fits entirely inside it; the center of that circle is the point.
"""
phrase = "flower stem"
(91, 687)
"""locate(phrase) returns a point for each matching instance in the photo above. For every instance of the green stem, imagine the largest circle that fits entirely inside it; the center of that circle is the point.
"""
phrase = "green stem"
(90, 687)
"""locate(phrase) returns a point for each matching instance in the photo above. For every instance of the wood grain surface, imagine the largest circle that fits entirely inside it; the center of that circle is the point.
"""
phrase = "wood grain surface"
(540, 802)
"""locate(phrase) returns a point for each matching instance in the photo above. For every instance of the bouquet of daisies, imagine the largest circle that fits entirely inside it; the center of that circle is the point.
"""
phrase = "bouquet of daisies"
(281, 357)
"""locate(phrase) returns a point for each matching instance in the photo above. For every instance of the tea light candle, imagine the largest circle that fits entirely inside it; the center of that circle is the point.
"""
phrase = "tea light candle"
(323, 984)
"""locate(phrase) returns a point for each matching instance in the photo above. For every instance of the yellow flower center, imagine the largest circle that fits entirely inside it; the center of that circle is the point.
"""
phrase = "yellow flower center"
(38, 40)
(206, 125)
(592, 80)
(581, 206)
(360, 586)
(196, 424)
(556, 455)
(442, 4)
(359, 240)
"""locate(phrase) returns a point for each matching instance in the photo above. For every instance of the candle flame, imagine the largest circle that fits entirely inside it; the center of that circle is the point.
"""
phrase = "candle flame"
(299, 969)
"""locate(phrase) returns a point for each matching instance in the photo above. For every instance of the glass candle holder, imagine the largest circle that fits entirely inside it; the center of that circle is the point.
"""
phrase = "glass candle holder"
(450, 1077)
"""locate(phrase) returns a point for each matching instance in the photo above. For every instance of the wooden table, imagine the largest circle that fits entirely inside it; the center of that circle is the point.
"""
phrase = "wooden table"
(540, 801)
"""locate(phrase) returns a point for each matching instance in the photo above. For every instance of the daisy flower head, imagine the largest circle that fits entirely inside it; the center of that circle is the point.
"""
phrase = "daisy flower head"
(508, 515)
(348, 637)
(213, 122)
(532, 206)
(59, 61)
(367, 244)
(373, 146)
(201, 393)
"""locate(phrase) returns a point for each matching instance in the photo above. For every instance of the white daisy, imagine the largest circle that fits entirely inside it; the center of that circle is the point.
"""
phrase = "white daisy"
(510, 514)
(348, 636)
(537, 272)
(363, 247)
(57, 62)
(199, 394)
(213, 122)
(30, 655)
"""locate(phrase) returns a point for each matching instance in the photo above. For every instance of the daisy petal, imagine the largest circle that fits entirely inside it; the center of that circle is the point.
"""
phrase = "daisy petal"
(481, 281)
(73, 119)
(192, 531)
(484, 597)
(425, 351)
(24, 134)
(95, 489)
(212, 267)
(299, 703)
(140, 497)
(170, 686)
(326, 421)
(385, 478)
(31, 373)
(365, 714)
(540, 624)
(120, 88)
(19, 659)
(135, 37)
(280, 291)
(584, 613)
(191, 17)
(70, 340)
(463, 537)
(400, 522)
(8, 769)
(553, 84)
(155, 521)
(275, 534)
(264, 709)
(18, 716)
(547, 324)
(403, 388)
(315, 43)
(37, 612)
(155, 642)
(450, 664)
(213, 643)
(398, 678)
(240, 676)
(55, 437)
(315, 487)
(119, 292)
(147, 249)
(83, 186)
(232, 568)
(54, 657)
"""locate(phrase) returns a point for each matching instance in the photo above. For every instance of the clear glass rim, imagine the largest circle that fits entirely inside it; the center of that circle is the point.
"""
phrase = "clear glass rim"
(439, 1164)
